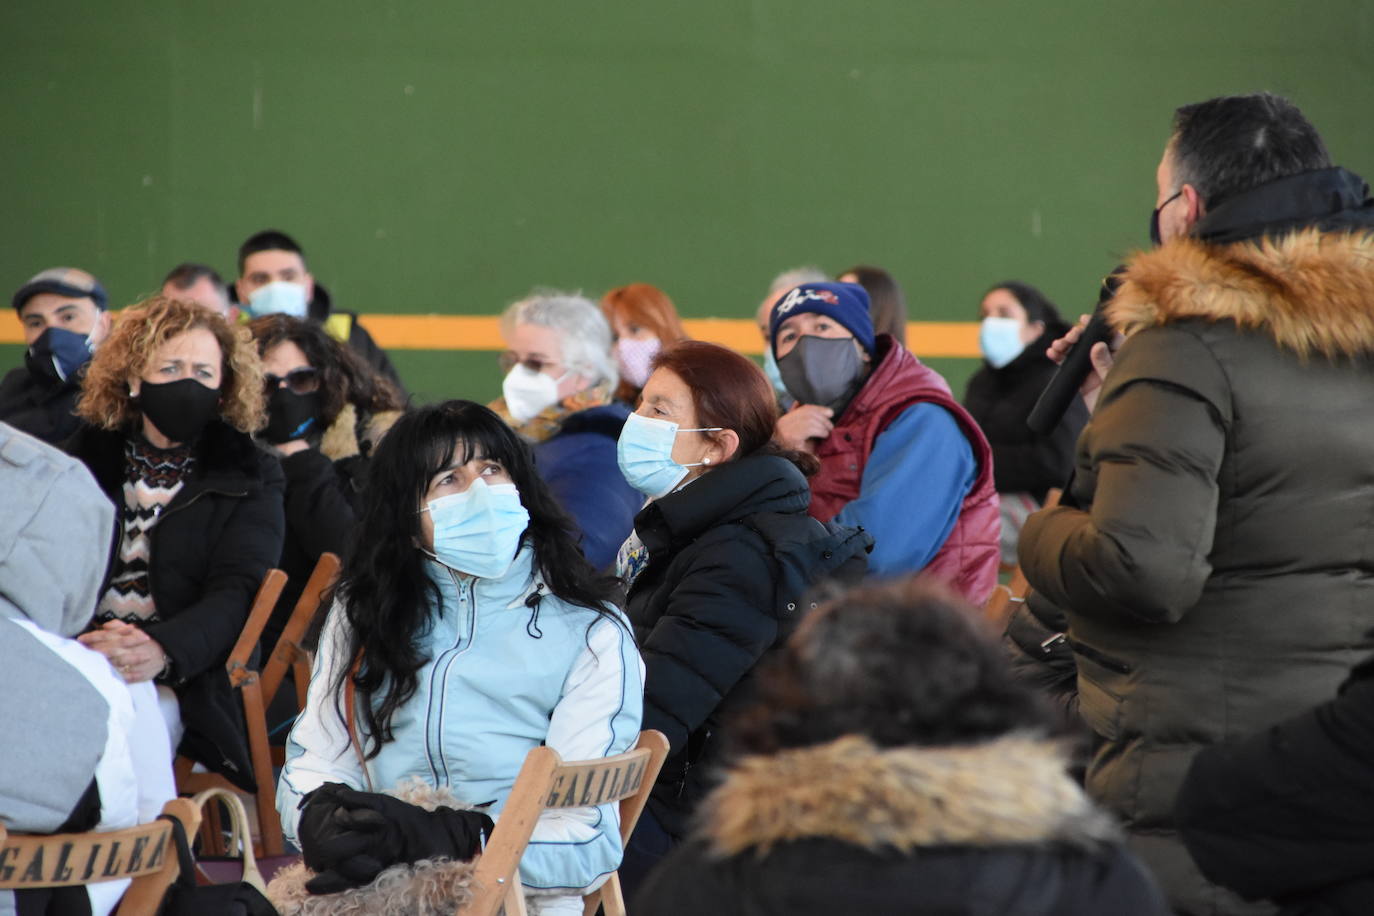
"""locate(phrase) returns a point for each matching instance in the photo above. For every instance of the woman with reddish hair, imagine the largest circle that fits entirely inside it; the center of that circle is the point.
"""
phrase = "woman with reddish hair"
(645, 322)
(717, 564)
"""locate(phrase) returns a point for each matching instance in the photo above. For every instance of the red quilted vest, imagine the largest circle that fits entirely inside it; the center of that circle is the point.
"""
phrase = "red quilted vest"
(968, 558)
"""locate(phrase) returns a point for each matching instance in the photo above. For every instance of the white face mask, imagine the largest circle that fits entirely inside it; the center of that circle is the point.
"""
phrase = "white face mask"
(633, 357)
(278, 298)
(527, 393)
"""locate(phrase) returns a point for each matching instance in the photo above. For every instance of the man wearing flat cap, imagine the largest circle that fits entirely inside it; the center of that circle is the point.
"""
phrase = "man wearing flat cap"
(62, 311)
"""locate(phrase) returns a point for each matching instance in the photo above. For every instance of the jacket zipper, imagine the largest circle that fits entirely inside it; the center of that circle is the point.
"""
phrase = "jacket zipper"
(435, 748)
(1101, 658)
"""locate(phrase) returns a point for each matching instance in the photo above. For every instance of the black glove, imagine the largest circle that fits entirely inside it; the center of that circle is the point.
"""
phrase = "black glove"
(325, 839)
(366, 832)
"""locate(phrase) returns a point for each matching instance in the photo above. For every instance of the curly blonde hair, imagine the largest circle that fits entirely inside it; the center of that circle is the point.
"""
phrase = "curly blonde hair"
(140, 332)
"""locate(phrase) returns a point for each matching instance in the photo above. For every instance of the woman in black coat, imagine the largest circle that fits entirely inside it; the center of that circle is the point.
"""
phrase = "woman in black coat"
(1018, 324)
(327, 408)
(169, 403)
(718, 562)
(891, 764)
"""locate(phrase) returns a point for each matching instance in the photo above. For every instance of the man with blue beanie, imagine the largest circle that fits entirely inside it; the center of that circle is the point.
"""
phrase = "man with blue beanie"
(899, 456)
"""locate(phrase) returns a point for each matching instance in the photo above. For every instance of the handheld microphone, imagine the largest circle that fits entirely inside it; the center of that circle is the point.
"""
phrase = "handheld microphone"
(1063, 388)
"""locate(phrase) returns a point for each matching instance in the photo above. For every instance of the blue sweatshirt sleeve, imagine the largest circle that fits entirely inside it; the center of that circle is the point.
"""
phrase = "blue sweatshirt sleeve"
(913, 486)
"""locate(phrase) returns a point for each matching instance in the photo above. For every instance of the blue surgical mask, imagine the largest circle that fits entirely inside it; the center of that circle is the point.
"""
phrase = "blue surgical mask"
(645, 454)
(1000, 340)
(57, 354)
(279, 298)
(478, 531)
(770, 369)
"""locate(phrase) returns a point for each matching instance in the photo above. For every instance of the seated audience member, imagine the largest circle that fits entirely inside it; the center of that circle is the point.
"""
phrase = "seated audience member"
(762, 315)
(72, 759)
(899, 456)
(1287, 814)
(1019, 323)
(326, 411)
(202, 285)
(473, 631)
(62, 312)
(560, 378)
(891, 764)
(170, 402)
(643, 321)
(717, 563)
(886, 304)
(274, 280)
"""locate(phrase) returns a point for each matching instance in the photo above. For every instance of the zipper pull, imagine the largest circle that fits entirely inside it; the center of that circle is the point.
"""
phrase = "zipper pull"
(1053, 642)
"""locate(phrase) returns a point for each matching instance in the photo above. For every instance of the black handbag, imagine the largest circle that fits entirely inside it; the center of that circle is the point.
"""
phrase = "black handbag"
(186, 897)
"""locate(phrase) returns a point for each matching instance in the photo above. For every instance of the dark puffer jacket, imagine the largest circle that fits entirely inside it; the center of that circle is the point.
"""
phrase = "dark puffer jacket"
(209, 551)
(1288, 813)
(997, 829)
(1001, 399)
(730, 556)
(1220, 575)
(42, 408)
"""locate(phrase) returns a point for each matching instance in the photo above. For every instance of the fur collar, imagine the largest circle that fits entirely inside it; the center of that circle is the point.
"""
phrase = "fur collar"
(1311, 291)
(1011, 791)
(340, 440)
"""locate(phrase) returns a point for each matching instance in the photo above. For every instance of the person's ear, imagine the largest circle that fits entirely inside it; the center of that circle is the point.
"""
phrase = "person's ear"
(135, 384)
(103, 322)
(1194, 209)
(309, 287)
(240, 293)
(723, 446)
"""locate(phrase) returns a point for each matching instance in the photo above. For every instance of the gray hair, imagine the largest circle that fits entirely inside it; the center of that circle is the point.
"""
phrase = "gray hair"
(583, 334)
(807, 273)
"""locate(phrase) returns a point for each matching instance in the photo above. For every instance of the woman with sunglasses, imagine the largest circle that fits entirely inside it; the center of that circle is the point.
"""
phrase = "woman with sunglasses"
(326, 410)
(558, 395)
(467, 630)
(170, 401)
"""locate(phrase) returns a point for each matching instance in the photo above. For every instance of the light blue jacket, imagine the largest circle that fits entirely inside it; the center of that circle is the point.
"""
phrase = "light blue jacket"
(499, 681)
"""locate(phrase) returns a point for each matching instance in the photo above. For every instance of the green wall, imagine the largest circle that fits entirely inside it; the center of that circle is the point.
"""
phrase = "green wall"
(447, 157)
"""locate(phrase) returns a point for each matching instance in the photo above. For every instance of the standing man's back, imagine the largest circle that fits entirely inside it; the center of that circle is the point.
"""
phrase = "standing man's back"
(1220, 575)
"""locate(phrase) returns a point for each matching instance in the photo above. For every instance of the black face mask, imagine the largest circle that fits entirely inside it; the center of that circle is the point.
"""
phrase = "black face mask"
(291, 416)
(823, 370)
(1154, 220)
(180, 410)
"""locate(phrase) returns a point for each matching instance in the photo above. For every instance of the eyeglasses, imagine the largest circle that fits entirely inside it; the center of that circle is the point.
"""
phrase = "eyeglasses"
(510, 359)
(300, 381)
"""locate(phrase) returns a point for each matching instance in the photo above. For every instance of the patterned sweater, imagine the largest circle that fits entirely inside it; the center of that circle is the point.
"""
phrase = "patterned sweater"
(153, 477)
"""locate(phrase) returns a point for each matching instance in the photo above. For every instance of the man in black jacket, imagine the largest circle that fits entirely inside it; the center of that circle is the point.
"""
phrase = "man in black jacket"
(273, 278)
(62, 311)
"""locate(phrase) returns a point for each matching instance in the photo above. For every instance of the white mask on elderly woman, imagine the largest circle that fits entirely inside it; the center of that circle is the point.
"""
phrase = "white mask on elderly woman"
(529, 393)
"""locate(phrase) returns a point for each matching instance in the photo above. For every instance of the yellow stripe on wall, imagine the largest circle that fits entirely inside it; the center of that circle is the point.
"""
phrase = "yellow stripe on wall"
(481, 332)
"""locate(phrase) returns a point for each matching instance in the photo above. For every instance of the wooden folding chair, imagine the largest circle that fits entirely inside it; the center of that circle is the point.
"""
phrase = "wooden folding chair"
(146, 853)
(545, 781)
(1002, 603)
(244, 679)
(289, 654)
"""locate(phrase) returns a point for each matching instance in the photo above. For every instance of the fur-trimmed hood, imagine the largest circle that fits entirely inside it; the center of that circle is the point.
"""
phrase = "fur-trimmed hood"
(1011, 791)
(1311, 291)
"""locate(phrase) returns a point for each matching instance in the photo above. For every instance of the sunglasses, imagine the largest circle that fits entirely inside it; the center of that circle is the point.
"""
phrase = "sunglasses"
(509, 360)
(300, 381)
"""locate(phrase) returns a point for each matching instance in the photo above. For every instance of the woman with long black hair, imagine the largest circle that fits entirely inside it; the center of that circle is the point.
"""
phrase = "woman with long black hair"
(467, 629)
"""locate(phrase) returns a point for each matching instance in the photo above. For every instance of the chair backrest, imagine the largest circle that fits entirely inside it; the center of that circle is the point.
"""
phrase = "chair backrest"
(249, 688)
(545, 781)
(146, 853)
(289, 653)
